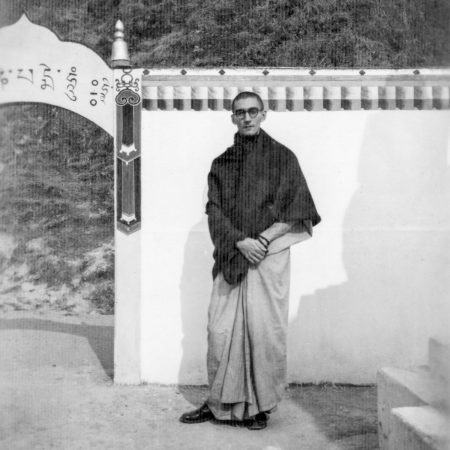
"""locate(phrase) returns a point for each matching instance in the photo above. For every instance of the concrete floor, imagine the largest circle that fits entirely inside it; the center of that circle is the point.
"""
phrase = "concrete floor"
(56, 392)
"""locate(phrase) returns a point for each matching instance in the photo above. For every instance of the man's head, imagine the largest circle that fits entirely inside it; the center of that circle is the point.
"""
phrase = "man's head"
(248, 113)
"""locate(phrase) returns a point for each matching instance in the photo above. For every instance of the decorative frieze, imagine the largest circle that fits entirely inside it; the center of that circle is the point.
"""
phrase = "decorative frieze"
(297, 90)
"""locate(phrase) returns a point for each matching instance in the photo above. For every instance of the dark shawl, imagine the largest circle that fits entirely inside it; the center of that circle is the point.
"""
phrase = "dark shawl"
(252, 185)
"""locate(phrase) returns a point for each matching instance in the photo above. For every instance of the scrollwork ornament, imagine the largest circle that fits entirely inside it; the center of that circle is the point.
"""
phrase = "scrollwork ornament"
(127, 96)
(127, 81)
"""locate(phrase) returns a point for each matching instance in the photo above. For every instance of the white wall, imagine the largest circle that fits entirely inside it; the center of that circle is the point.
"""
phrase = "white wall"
(370, 287)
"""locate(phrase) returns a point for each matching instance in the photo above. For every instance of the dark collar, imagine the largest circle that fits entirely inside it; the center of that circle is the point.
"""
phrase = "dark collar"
(246, 141)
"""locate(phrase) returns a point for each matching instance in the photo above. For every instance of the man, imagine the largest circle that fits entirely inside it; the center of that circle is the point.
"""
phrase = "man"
(258, 205)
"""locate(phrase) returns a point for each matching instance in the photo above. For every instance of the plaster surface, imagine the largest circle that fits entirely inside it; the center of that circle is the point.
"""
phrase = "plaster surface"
(367, 291)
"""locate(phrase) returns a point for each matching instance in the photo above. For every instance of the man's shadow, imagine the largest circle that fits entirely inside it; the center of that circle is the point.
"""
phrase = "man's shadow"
(394, 233)
(195, 292)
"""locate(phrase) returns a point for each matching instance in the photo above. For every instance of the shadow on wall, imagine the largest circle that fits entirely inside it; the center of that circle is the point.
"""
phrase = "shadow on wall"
(100, 338)
(195, 292)
(396, 233)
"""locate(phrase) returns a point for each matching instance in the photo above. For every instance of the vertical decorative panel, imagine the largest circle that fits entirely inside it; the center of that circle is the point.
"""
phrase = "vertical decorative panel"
(128, 152)
(423, 97)
(230, 93)
(405, 97)
(332, 98)
(369, 97)
(294, 98)
(386, 97)
(181, 98)
(277, 98)
(441, 97)
(199, 98)
(313, 98)
(351, 97)
(244, 89)
(215, 98)
(165, 98)
(263, 92)
(150, 96)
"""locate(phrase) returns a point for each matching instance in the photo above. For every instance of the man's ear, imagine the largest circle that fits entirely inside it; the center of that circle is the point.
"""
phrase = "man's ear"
(233, 119)
(263, 115)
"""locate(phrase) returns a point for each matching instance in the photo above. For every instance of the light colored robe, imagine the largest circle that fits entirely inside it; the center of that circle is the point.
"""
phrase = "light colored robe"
(247, 327)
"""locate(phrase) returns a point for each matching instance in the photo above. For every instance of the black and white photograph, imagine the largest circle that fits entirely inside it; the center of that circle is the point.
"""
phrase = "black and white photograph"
(225, 224)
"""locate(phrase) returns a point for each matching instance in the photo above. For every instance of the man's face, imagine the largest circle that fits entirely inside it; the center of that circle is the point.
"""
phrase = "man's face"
(243, 109)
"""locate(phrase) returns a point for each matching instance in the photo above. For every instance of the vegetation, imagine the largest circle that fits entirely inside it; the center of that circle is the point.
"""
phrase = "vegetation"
(57, 191)
(319, 33)
(57, 169)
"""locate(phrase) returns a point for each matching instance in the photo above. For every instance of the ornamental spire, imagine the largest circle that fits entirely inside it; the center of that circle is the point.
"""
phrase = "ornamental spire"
(119, 55)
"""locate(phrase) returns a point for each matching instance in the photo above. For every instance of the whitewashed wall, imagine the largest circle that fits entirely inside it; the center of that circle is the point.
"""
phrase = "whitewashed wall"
(370, 287)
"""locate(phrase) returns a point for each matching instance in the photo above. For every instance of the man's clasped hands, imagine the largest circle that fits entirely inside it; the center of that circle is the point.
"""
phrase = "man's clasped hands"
(254, 250)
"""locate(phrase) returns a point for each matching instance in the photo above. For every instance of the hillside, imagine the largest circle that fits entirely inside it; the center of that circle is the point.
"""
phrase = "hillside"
(56, 188)
(307, 33)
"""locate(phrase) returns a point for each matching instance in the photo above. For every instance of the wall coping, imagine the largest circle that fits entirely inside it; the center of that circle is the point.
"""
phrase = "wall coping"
(285, 89)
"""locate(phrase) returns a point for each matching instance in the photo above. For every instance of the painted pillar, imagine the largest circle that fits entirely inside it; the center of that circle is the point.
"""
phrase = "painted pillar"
(127, 148)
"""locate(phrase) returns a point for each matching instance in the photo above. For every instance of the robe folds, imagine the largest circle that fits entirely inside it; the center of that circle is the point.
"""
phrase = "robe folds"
(247, 327)
(252, 185)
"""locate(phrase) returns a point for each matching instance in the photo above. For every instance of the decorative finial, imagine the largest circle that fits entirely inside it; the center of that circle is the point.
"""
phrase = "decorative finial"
(119, 56)
(119, 26)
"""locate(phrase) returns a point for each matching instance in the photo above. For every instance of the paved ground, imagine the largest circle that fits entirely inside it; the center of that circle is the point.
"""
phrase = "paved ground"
(56, 392)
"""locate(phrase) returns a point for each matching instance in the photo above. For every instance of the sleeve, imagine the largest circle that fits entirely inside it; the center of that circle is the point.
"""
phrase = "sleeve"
(224, 235)
(293, 200)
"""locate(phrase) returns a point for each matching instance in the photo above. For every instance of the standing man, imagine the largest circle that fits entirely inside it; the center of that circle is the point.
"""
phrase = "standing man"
(258, 205)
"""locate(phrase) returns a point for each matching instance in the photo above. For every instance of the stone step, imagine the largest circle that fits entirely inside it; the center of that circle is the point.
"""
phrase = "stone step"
(419, 428)
(439, 358)
(398, 388)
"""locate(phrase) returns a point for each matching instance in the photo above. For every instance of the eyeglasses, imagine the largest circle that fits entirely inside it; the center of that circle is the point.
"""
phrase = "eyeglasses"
(252, 112)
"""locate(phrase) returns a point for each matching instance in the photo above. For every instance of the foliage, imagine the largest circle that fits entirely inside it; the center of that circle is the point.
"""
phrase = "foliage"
(59, 176)
(56, 189)
(307, 33)
(103, 297)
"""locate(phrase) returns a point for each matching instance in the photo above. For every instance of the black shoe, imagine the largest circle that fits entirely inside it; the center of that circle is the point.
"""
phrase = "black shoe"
(202, 414)
(258, 422)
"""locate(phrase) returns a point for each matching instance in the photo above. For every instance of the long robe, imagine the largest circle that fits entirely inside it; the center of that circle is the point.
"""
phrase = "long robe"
(252, 185)
(247, 326)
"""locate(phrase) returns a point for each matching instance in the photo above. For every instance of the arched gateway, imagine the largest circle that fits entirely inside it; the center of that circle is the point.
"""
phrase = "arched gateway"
(375, 150)
(36, 66)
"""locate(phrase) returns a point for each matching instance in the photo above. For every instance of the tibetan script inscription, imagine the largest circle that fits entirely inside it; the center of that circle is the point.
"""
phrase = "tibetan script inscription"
(70, 88)
(36, 66)
(56, 80)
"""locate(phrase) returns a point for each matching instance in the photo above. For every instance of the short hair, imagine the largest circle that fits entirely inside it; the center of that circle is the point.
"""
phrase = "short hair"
(247, 94)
